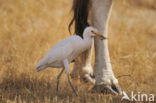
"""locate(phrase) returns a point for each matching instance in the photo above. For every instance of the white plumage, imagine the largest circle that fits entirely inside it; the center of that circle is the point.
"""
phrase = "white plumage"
(66, 51)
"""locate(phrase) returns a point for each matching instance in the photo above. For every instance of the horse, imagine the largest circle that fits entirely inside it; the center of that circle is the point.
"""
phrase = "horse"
(105, 79)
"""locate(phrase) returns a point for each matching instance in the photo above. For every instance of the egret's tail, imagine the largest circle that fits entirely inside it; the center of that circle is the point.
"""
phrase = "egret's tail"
(41, 65)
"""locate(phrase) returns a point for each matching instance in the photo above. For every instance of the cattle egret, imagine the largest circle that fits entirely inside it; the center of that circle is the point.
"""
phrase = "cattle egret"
(66, 51)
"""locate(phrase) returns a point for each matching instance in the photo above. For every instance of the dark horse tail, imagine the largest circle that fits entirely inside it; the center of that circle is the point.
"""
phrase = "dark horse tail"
(80, 17)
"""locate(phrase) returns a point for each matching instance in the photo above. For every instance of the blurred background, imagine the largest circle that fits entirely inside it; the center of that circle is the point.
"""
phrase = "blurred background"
(29, 28)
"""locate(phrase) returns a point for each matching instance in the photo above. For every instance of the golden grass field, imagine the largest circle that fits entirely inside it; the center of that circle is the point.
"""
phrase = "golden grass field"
(29, 28)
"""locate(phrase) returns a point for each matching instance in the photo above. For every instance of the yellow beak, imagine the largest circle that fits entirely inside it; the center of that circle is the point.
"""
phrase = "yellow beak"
(99, 35)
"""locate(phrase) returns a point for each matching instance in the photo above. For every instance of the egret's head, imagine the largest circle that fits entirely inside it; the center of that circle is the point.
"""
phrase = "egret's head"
(92, 32)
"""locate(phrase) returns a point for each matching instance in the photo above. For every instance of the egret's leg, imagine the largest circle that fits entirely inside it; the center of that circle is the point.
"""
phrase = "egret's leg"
(58, 79)
(66, 66)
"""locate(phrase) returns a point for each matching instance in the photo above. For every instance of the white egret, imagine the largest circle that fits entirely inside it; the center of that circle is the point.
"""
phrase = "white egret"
(66, 51)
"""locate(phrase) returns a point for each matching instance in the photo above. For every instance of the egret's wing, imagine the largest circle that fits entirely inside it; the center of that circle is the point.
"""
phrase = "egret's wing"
(60, 51)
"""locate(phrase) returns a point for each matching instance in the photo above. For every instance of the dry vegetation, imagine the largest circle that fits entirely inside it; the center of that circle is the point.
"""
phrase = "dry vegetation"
(29, 28)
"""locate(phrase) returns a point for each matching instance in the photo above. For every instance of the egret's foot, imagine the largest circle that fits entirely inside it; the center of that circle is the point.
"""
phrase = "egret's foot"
(108, 88)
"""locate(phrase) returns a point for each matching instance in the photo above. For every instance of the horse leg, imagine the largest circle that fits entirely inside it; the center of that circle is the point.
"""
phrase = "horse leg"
(83, 68)
(104, 75)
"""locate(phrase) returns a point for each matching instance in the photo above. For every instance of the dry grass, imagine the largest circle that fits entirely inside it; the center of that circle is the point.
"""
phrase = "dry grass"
(29, 28)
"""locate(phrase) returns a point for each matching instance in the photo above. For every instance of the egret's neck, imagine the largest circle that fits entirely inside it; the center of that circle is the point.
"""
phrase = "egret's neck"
(87, 42)
(86, 36)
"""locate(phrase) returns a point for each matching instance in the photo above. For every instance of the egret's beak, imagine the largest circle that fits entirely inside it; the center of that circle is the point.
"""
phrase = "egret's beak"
(99, 35)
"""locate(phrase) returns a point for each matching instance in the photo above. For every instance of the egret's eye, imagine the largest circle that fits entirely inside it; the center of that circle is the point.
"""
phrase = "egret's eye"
(92, 31)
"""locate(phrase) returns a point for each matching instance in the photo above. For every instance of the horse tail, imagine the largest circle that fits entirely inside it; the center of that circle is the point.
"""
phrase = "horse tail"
(80, 17)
